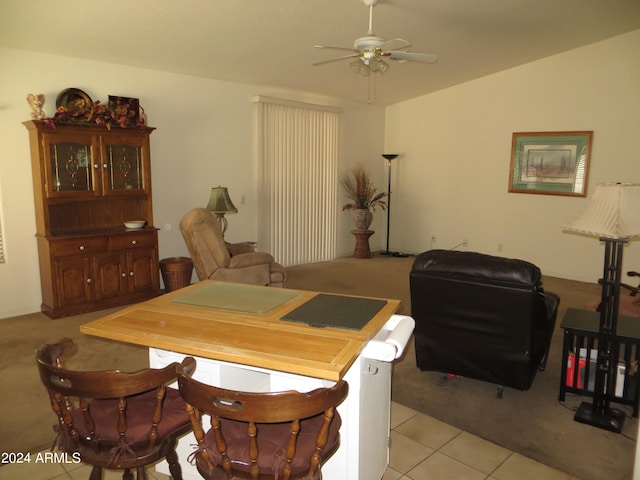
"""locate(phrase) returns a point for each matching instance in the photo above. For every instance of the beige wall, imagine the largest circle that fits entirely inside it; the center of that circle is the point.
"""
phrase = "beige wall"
(204, 138)
(451, 181)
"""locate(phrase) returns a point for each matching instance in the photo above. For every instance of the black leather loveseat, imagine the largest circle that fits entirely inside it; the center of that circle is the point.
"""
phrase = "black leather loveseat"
(481, 316)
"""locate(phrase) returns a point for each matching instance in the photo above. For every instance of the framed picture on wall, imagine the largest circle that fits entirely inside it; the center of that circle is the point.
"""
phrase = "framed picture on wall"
(125, 110)
(550, 163)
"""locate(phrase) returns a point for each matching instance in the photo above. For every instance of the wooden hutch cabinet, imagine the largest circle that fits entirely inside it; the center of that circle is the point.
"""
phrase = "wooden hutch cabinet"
(88, 181)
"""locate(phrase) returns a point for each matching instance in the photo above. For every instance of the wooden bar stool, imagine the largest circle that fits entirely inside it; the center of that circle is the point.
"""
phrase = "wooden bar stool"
(279, 435)
(112, 419)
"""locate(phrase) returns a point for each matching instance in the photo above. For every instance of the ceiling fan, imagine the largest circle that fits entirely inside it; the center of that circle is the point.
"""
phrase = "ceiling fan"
(370, 52)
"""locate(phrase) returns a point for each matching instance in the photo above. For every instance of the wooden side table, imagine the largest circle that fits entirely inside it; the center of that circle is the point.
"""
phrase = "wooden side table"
(362, 249)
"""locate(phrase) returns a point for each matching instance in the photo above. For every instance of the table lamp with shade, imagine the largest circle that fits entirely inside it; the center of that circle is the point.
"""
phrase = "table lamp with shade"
(613, 215)
(220, 204)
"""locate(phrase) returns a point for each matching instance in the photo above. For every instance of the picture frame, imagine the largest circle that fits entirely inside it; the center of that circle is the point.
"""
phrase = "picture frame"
(550, 163)
(125, 109)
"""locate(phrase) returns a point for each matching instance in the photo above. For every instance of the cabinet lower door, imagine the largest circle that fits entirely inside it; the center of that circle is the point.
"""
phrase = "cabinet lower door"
(143, 268)
(110, 275)
(73, 281)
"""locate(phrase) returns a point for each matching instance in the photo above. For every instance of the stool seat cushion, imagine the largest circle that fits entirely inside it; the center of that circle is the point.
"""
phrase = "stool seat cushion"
(140, 409)
(271, 437)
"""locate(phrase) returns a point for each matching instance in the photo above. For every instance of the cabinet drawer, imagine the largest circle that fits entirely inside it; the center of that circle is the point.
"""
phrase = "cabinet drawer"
(81, 245)
(137, 240)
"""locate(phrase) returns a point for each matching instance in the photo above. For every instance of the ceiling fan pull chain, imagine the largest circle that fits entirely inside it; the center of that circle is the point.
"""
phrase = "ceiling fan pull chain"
(375, 87)
(371, 94)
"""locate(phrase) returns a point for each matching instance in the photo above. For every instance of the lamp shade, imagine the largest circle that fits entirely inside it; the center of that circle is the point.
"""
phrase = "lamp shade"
(219, 201)
(612, 212)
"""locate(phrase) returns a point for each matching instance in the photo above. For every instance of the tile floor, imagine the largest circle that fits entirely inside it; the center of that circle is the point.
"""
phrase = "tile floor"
(421, 448)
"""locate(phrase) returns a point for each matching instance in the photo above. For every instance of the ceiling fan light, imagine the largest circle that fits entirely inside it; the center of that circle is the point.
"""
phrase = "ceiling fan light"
(359, 67)
(377, 65)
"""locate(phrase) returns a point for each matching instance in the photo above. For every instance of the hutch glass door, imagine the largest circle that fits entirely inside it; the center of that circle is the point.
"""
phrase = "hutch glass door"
(124, 167)
(70, 168)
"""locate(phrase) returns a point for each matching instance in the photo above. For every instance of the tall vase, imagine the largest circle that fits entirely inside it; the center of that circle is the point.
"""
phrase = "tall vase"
(363, 218)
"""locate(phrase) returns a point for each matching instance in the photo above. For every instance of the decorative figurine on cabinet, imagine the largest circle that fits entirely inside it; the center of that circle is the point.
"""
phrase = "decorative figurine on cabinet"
(36, 102)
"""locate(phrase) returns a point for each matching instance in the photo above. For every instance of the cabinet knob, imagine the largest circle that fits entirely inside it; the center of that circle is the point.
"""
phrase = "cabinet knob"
(88, 280)
(104, 165)
(124, 275)
(133, 242)
(81, 247)
(95, 165)
(131, 274)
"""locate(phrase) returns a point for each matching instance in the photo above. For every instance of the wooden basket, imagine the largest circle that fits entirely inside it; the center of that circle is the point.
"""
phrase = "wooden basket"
(176, 272)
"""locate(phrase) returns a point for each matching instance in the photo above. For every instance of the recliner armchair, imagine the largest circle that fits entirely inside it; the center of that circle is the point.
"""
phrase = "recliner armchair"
(481, 317)
(212, 256)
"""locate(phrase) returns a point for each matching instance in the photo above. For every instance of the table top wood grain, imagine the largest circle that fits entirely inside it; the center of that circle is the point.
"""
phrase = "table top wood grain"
(256, 339)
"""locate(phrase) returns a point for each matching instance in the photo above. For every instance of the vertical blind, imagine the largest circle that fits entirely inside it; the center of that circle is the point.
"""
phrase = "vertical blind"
(297, 186)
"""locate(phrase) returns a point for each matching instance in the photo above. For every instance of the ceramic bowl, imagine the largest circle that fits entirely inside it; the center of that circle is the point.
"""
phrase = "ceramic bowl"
(134, 223)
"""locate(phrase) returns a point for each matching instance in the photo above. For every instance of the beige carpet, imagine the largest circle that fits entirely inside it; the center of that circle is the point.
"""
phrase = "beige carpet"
(532, 423)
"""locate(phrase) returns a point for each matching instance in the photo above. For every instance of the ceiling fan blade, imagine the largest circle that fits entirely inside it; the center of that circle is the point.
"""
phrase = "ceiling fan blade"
(336, 48)
(413, 57)
(353, 55)
(394, 44)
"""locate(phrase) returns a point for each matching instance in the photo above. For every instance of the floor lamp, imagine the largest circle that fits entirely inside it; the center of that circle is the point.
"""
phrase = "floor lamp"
(613, 215)
(389, 157)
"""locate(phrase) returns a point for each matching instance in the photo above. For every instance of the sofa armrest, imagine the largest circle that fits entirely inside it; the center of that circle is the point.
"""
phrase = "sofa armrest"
(250, 259)
(239, 248)
(259, 274)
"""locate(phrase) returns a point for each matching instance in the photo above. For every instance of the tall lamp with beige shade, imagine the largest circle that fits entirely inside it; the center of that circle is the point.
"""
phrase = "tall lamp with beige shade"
(613, 215)
(220, 204)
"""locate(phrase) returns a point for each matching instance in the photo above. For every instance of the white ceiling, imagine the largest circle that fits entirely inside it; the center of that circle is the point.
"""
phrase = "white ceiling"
(270, 42)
